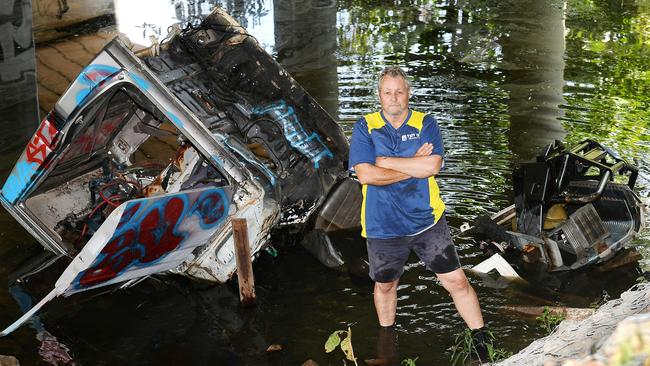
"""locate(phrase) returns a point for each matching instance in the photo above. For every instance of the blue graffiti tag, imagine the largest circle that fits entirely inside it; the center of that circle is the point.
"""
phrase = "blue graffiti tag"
(93, 75)
(19, 180)
(310, 146)
(140, 82)
(174, 118)
(210, 208)
(149, 231)
(90, 77)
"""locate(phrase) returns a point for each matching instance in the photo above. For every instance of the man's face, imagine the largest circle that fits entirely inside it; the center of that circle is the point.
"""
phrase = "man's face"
(394, 96)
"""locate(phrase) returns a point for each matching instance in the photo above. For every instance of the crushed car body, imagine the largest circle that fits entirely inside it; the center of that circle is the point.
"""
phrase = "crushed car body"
(573, 207)
(147, 156)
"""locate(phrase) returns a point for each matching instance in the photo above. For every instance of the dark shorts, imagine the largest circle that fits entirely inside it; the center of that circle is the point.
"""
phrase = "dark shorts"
(434, 247)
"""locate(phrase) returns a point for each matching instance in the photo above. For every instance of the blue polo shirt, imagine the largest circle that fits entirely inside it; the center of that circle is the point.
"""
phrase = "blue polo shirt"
(403, 208)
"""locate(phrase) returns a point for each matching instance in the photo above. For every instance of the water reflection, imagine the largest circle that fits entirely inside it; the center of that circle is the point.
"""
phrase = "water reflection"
(301, 34)
(59, 62)
(305, 44)
(533, 56)
(607, 79)
(387, 347)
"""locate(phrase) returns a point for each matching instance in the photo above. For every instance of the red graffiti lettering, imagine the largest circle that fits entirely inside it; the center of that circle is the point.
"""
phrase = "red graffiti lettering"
(147, 241)
(36, 153)
(128, 214)
(96, 75)
(94, 136)
(158, 235)
(118, 255)
(107, 127)
(43, 142)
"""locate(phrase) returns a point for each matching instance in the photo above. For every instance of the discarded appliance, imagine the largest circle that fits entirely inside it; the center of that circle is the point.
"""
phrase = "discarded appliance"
(148, 156)
(573, 207)
(497, 264)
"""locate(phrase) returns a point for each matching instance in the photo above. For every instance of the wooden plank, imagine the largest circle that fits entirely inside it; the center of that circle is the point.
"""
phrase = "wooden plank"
(244, 262)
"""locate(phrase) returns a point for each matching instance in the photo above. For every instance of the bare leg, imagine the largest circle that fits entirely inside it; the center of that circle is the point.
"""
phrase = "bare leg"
(464, 297)
(386, 302)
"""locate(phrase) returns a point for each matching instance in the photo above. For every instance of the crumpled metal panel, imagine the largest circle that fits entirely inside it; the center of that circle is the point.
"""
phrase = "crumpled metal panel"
(146, 236)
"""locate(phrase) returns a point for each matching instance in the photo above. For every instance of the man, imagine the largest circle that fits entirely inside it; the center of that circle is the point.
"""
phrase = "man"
(396, 153)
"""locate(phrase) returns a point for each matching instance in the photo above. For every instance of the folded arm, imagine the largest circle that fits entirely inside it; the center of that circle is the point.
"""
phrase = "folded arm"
(416, 166)
(427, 161)
(377, 176)
(380, 175)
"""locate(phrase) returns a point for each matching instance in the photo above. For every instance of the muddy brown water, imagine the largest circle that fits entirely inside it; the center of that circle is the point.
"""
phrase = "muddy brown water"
(504, 78)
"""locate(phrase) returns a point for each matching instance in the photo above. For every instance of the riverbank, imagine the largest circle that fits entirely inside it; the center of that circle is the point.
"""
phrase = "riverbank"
(618, 333)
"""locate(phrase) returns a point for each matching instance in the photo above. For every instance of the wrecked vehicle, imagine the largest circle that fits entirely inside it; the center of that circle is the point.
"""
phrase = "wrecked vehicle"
(148, 156)
(573, 207)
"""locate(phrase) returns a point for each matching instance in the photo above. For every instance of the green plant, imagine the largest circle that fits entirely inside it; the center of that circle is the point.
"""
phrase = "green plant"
(496, 354)
(465, 348)
(343, 339)
(549, 320)
(409, 361)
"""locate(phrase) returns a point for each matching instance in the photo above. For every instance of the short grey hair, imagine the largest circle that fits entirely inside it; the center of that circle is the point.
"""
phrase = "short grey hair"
(395, 72)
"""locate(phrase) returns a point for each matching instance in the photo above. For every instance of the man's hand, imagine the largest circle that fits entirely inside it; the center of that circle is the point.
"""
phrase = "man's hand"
(381, 161)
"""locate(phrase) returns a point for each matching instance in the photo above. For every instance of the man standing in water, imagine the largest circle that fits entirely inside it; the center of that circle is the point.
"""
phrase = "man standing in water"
(396, 153)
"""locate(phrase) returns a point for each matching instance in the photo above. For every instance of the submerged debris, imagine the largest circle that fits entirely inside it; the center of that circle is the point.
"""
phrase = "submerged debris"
(573, 207)
(148, 157)
(275, 348)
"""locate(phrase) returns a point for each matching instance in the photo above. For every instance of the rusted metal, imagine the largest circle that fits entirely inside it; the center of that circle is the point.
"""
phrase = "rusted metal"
(180, 154)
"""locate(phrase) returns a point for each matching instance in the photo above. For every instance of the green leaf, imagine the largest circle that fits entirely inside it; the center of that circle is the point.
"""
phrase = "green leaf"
(597, 46)
(409, 361)
(346, 347)
(333, 341)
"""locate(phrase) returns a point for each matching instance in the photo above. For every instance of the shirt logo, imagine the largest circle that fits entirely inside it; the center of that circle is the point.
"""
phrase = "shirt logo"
(410, 136)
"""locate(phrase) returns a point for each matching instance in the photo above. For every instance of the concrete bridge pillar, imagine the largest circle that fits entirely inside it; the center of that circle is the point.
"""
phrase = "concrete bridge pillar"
(18, 102)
